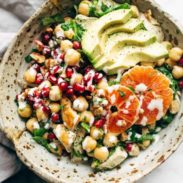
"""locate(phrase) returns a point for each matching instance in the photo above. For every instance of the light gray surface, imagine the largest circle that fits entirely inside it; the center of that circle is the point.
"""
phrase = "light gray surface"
(170, 171)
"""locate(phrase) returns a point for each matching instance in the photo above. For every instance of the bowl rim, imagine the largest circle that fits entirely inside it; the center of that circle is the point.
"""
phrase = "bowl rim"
(6, 57)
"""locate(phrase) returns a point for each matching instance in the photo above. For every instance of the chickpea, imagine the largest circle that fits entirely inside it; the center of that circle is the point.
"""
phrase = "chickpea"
(45, 136)
(54, 107)
(135, 11)
(103, 84)
(161, 62)
(89, 144)
(72, 57)
(170, 63)
(175, 106)
(50, 62)
(30, 75)
(58, 31)
(101, 153)
(175, 54)
(65, 45)
(177, 72)
(25, 112)
(87, 117)
(44, 84)
(76, 78)
(80, 104)
(96, 133)
(55, 93)
(135, 150)
(152, 64)
(167, 45)
(110, 140)
(145, 144)
(69, 34)
(41, 115)
(84, 7)
(32, 124)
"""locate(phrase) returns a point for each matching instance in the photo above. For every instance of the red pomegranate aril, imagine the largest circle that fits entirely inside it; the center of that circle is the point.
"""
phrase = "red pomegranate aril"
(100, 123)
(76, 45)
(70, 91)
(55, 117)
(62, 56)
(46, 109)
(36, 67)
(79, 88)
(55, 69)
(180, 62)
(45, 92)
(47, 51)
(30, 99)
(129, 147)
(46, 37)
(37, 93)
(88, 69)
(39, 78)
(98, 77)
(181, 84)
(51, 136)
(69, 72)
(63, 86)
(52, 79)
(37, 104)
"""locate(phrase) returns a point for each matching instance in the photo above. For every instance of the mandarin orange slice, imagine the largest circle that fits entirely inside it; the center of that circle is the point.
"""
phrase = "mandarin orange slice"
(153, 90)
(126, 106)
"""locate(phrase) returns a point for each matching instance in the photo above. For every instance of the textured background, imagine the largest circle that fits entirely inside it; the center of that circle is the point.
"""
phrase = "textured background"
(12, 15)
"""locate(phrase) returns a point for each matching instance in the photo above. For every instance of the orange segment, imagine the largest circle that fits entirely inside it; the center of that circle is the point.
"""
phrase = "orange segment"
(153, 90)
(127, 109)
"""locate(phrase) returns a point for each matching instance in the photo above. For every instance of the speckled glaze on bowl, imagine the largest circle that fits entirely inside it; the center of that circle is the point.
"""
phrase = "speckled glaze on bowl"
(48, 166)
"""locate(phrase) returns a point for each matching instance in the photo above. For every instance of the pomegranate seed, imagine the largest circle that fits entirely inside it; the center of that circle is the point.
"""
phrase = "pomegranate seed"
(46, 109)
(31, 99)
(181, 84)
(70, 91)
(39, 78)
(46, 37)
(52, 79)
(69, 72)
(55, 69)
(76, 45)
(47, 51)
(62, 56)
(129, 147)
(100, 123)
(180, 62)
(79, 88)
(63, 86)
(51, 136)
(17, 97)
(45, 92)
(36, 67)
(37, 104)
(55, 117)
(98, 77)
(88, 69)
(37, 93)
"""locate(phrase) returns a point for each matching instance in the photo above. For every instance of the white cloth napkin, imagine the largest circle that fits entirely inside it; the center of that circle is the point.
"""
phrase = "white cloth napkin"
(12, 15)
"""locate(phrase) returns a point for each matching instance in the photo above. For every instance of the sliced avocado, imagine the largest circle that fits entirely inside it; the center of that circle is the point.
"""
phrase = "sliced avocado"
(85, 21)
(114, 160)
(129, 56)
(140, 38)
(91, 38)
(131, 26)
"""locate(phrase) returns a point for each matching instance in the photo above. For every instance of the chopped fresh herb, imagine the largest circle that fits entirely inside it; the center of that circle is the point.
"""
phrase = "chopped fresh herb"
(86, 127)
(122, 94)
(77, 28)
(28, 59)
(61, 107)
(113, 82)
(166, 120)
(39, 132)
(54, 19)
(42, 141)
(131, 88)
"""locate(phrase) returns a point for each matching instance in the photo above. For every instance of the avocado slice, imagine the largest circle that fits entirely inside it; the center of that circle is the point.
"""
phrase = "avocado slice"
(131, 26)
(114, 160)
(118, 40)
(129, 56)
(91, 38)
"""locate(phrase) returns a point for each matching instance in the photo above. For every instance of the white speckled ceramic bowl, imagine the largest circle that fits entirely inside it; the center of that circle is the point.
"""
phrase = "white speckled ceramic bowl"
(48, 166)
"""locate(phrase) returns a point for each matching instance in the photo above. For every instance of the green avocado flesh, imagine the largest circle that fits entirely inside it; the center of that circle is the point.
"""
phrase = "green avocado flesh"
(140, 38)
(91, 38)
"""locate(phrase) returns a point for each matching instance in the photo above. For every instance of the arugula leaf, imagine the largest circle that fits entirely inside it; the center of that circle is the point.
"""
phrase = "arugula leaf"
(77, 28)
(54, 19)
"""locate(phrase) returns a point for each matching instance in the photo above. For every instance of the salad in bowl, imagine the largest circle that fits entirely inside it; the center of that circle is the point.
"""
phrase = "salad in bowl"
(100, 84)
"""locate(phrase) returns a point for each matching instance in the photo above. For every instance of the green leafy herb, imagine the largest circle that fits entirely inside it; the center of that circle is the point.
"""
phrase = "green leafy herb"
(113, 82)
(166, 120)
(39, 132)
(122, 94)
(131, 88)
(28, 59)
(54, 19)
(42, 141)
(77, 28)
(165, 69)
(86, 127)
